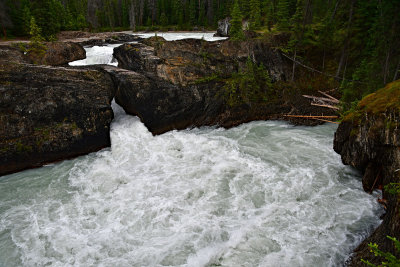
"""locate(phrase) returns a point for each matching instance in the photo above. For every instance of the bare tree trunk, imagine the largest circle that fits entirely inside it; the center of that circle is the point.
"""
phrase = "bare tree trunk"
(4, 32)
(294, 62)
(210, 12)
(199, 6)
(153, 12)
(386, 67)
(346, 42)
(132, 18)
(334, 10)
(396, 72)
(141, 11)
(345, 68)
(340, 62)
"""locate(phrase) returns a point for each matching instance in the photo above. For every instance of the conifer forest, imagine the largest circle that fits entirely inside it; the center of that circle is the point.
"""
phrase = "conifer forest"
(353, 43)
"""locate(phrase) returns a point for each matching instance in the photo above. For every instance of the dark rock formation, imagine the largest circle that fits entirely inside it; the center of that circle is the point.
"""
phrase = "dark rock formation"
(172, 85)
(185, 61)
(58, 54)
(11, 54)
(49, 114)
(369, 140)
(101, 38)
(224, 26)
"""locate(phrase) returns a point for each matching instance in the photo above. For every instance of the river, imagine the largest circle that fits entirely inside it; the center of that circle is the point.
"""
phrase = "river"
(260, 194)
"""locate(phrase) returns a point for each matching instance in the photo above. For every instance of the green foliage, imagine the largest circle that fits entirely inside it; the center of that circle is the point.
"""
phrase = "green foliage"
(387, 98)
(164, 19)
(283, 15)
(255, 14)
(393, 188)
(37, 48)
(249, 86)
(390, 259)
(236, 30)
(207, 79)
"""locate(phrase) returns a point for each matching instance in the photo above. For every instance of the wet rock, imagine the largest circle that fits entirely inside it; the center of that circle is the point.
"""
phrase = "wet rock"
(180, 84)
(51, 113)
(58, 54)
(11, 54)
(185, 61)
(137, 57)
(369, 140)
(224, 26)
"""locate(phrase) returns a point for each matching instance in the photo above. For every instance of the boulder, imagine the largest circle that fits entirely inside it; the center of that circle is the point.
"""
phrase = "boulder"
(58, 54)
(369, 140)
(11, 54)
(224, 26)
(181, 84)
(51, 113)
(185, 61)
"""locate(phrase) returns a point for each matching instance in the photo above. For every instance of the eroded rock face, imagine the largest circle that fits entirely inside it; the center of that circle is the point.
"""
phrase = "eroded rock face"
(185, 61)
(49, 114)
(179, 84)
(168, 84)
(224, 26)
(370, 142)
(58, 54)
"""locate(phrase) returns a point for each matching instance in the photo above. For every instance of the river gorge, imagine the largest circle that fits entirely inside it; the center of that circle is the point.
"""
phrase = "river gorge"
(264, 193)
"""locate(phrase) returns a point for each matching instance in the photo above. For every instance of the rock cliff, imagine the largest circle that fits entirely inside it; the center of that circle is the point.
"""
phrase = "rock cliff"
(180, 84)
(51, 113)
(57, 54)
(224, 26)
(369, 140)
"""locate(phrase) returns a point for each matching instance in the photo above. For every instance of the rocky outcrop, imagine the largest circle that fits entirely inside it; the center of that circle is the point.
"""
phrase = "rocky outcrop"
(51, 113)
(11, 54)
(369, 140)
(101, 38)
(180, 84)
(224, 26)
(58, 54)
(185, 61)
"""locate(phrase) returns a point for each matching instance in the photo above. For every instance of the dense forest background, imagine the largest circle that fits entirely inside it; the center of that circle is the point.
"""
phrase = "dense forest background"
(353, 43)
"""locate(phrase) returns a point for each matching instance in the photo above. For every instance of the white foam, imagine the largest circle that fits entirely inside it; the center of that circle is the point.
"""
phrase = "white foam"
(98, 55)
(172, 36)
(261, 194)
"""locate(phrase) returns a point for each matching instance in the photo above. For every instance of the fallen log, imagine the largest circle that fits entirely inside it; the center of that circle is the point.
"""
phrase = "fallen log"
(310, 116)
(330, 97)
(325, 106)
(321, 99)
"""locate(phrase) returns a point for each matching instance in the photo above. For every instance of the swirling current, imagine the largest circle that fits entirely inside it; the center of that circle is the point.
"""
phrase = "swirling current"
(260, 194)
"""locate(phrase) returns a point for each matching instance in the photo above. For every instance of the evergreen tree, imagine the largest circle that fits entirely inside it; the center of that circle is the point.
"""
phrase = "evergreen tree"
(37, 49)
(192, 12)
(255, 14)
(236, 31)
(163, 19)
(283, 15)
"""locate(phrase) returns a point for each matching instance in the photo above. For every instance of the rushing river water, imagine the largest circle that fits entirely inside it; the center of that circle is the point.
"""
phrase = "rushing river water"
(261, 194)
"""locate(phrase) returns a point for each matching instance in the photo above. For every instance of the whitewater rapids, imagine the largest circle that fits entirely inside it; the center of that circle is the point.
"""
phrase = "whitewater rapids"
(261, 194)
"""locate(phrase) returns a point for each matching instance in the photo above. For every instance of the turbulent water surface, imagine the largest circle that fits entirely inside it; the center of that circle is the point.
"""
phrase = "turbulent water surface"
(261, 194)
(171, 36)
(104, 54)
(98, 55)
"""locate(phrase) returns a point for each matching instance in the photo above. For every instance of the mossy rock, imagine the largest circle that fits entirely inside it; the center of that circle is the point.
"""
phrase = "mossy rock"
(383, 100)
